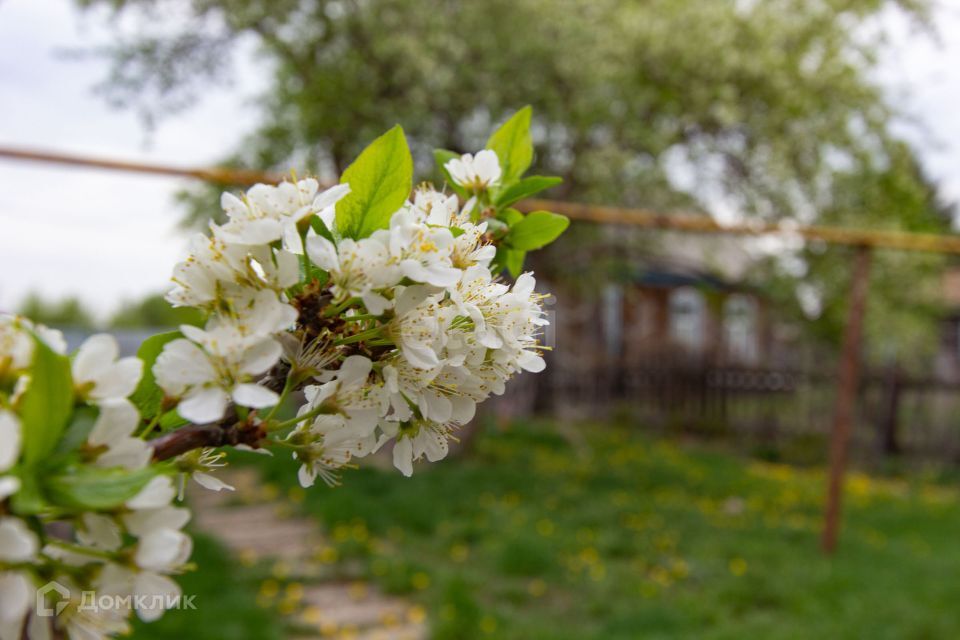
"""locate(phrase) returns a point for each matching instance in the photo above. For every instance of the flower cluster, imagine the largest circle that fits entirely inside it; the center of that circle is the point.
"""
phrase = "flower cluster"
(337, 322)
(391, 337)
(76, 530)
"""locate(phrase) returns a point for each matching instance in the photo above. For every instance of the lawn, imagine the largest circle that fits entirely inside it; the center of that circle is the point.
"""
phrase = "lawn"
(620, 536)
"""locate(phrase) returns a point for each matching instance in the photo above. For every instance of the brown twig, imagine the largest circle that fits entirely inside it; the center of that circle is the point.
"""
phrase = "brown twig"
(226, 432)
(199, 436)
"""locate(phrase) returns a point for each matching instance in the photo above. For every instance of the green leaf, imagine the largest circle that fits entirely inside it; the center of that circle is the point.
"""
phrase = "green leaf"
(320, 228)
(172, 420)
(510, 216)
(28, 500)
(527, 187)
(513, 145)
(380, 180)
(148, 396)
(442, 157)
(76, 433)
(511, 260)
(84, 487)
(46, 404)
(536, 230)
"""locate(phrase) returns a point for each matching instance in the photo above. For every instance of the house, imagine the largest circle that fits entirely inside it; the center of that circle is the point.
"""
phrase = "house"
(689, 306)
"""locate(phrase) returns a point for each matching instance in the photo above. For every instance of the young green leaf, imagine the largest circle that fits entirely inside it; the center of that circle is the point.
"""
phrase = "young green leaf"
(77, 431)
(148, 397)
(84, 487)
(511, 260)
(172, 420)
(527, 187)
(513, 146)
(380, 181)
(510, 216)
(536, 230)
(320, 228)
(29, 500)
(47, 403)
(442, 157)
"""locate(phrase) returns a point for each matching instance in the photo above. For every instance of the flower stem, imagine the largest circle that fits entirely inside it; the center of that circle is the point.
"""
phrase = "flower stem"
(359, 337)
(86, 551)
(287, 388)
(337, 308)
(322, 409)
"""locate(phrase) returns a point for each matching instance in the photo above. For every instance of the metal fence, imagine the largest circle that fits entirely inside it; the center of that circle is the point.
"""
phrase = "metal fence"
(777, 412)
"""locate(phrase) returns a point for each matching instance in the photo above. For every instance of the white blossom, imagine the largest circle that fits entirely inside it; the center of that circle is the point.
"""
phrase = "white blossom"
(217, 272)
(99, 375)
(422, 252)
(17, 542)
(16, 342)
(268, 213)
(357, 268)
(16, 601)
(158, 493)
(215, 365)
(113, 436)
(9, 485)
(10, 439)
(475, 172)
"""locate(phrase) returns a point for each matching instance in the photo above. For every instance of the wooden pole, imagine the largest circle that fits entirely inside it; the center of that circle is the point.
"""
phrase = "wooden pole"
(849, 382)
(637, 217)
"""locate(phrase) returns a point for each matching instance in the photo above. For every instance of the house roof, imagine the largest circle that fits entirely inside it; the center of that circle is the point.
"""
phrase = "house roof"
(663, 277)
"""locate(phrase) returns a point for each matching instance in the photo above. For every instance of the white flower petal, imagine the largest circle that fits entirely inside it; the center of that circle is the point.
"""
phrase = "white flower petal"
(261, 356)
(403, 456)
(100, 532)
(254, 396)
(150, 584)
(180, 365)
(117, 419)
(9, 485)
(16, 597)
(118, 380)
(203, 404)
(10, 438)
(211, 482)
(17, 542)
(158, 493)
(142, 522)
(163, 550)
(95, 354)
(306, 476)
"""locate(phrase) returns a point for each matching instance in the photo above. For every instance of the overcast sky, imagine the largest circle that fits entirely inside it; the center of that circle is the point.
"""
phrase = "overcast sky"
(110, 236)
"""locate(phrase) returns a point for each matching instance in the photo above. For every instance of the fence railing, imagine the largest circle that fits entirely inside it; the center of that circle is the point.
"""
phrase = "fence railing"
(783, 411)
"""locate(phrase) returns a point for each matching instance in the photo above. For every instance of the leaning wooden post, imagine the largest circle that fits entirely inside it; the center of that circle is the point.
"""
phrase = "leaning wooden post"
(849, 382)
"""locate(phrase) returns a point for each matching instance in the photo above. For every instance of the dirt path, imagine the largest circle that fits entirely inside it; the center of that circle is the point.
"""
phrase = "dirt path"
(255, 525)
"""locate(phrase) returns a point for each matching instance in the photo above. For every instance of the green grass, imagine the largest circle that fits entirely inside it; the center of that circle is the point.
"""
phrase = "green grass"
(624, 537)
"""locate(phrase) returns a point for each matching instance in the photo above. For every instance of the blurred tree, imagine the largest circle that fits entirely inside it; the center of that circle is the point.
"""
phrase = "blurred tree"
(653, 102)
(66, 312)
(906, 307)
(764, 108)
(153, 311)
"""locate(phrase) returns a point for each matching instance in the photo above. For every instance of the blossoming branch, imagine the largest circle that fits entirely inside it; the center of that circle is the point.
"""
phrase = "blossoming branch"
(338, 322)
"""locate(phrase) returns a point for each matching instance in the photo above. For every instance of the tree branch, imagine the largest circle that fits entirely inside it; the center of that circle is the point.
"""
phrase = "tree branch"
(229, 431)
(200, 436)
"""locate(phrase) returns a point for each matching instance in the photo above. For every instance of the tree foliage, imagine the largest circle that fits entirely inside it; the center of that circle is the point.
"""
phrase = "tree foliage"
(769, 109)
(762, 98)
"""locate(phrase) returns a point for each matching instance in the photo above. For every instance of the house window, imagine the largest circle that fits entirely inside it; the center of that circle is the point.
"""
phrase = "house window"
(687, 318)
(740, 328)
